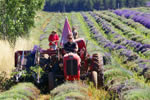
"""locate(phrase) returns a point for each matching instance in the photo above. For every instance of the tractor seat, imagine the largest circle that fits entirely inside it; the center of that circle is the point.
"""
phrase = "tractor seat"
(82, 47)
(81, 43)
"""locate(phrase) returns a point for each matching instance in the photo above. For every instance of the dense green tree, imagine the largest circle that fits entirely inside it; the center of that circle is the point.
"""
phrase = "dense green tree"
(101, 5)
(77, 5)
(17, 17)
(96, 4)
(88, 4)
(112, 4)
(131, 3)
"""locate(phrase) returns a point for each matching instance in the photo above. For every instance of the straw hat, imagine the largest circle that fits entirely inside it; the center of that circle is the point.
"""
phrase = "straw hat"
(54, 31)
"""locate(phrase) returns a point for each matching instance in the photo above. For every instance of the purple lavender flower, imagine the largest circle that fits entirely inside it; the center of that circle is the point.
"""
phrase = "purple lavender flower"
(148, 4)
(142, 18)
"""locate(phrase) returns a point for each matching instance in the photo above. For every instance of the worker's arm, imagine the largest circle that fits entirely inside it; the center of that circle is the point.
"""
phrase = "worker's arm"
(76, 49)
(57, 39)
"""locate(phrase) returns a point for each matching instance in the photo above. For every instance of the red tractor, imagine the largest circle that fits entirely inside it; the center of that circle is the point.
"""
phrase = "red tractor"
(62, 66)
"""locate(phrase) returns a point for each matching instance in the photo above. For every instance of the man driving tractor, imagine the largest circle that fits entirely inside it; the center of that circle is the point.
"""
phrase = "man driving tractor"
(70, 46)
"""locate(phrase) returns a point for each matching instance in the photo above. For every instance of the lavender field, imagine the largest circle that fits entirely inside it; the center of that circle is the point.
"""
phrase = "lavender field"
(122, 35)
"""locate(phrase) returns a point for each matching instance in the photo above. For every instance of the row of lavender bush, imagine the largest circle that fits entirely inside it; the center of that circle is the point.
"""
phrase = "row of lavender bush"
(126, 30)
(143, 18)
(123, 41)
(148, 4)
(137, 46)
(117, 79)
(135, 25)
(120, 49)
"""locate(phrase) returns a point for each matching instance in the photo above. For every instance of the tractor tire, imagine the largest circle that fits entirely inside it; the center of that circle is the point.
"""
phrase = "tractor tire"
(97, 66)
(51, 80)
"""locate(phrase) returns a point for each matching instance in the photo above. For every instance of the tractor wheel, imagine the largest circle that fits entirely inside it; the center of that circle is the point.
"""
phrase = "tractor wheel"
(97, 71)
(51, 81)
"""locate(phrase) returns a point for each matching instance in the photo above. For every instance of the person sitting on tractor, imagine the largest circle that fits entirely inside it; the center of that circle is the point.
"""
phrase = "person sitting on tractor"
(70, 46)
(75, 33)
(53, 40)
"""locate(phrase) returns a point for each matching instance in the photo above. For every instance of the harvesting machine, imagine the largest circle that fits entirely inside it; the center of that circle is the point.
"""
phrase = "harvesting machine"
(61, 66)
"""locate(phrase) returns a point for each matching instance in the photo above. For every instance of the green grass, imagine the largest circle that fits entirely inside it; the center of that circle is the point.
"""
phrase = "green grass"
(136, 94)
(40, 23)
(24, 91)
(85, 32)
(56, 23)
(124, 21)
(116, 74)
(74, 90)
(129, 65)
(78, 91)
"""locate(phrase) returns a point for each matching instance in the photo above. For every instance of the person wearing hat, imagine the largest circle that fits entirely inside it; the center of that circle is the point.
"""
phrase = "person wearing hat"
(53, 40)
(70, 46)
(75, 33)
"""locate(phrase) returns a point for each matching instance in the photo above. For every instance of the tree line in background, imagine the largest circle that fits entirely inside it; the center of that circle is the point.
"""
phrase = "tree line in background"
(17, 17)
(86, 5)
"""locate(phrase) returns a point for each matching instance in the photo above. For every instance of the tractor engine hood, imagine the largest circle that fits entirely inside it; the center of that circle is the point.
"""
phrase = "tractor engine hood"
(71, 66)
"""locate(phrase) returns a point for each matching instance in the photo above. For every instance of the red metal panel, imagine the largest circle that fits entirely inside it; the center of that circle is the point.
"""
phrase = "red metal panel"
(76, 57)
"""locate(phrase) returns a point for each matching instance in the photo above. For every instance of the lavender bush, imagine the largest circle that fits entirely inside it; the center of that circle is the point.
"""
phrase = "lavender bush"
(142, 18)
(118, 39)
(121, 50)
(130, 22)
(148, 4)
(127, 31)
(21, 91)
